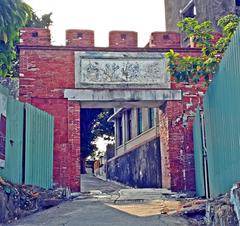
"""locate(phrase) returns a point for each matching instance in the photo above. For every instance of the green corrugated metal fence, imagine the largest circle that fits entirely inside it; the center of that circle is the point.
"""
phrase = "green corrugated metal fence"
(28, 145)
(14, 141)
(39, 146)
(222, 122)
(198, 155)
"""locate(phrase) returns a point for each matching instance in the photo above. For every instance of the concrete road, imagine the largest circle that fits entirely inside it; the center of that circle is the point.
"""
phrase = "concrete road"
(90, 183)
(87, 210)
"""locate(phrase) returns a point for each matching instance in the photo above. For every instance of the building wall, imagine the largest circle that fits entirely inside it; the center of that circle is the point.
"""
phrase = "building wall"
(172, 13)
(138, 168)
(131, 126)
(44, 74)
(205, 10)
(137, 160)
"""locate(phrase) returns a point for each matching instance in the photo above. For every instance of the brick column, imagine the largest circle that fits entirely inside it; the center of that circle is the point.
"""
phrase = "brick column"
(176, 136)
(74, 143)
(176, 148)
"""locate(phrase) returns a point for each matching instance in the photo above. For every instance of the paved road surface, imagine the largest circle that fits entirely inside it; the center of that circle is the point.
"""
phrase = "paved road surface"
(90, 211)
(89, 183)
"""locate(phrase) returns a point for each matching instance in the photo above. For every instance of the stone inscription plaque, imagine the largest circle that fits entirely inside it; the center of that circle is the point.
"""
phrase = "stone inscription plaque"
(120, 70)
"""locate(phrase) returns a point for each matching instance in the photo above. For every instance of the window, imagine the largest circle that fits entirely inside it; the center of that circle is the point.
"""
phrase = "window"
(129, 124)
(123, 36)
(139, 121)
(34, 34)
(151, 118)
(166, 37)
(237, 2)
(120, 131)
(189, 10)
(79, 35)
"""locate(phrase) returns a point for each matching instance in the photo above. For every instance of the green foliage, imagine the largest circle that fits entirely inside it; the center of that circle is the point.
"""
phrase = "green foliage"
(199, 32)
(228, 24)
(44, 22)
(193, 68)
(93, 125)
(87, 119)
(15, 14)
(101, 127)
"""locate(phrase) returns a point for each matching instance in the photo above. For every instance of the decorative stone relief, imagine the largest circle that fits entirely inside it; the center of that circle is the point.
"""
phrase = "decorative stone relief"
(111, 69)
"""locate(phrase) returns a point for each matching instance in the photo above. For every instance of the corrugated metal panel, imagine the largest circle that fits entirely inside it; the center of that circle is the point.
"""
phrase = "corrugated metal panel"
(222, 111)
(39, 147)
(14, 137)
(198, 155)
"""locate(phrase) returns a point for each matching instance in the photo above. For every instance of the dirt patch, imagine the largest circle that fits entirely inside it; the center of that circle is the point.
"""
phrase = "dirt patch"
(17, 201)
(170, 207)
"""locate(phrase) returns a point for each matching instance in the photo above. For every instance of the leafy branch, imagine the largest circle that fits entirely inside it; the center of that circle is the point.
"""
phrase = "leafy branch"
(15, 14)
(194, 68)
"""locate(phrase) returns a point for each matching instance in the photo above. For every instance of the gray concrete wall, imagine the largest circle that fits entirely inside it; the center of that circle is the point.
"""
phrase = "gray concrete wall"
(172, 15)
(207, 9)
(138, 168)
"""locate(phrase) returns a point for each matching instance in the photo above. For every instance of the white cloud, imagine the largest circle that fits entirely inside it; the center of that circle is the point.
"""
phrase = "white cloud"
(143, 16)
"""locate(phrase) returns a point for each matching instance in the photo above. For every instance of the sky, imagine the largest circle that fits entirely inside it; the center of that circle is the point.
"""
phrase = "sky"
(102, 16)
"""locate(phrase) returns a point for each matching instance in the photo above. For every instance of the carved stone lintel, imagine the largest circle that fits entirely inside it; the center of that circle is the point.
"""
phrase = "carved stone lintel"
(121, 70)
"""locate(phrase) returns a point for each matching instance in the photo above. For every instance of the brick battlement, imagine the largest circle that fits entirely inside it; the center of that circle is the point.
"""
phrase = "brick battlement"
(85, 38)
(164, 40)
(80, 38)
(35, 36)
(123, 39)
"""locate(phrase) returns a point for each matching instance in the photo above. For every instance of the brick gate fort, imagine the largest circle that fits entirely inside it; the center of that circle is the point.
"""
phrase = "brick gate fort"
(62, 80)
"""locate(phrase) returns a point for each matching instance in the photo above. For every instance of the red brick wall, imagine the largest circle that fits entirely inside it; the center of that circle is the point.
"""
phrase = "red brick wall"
(176, 135)
(44, 76)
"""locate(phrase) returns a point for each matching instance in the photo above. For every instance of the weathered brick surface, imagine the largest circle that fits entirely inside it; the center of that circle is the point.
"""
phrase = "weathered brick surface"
(80, 38)
(45, 72)
(176, 122)
(123, 39)
(35, 36)
(164, 40)
(44, 76)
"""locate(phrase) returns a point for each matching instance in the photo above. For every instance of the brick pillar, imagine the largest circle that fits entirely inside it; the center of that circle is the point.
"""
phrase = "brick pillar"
(164, 40)
(174, 156)
(176, 136)
(123, 39)
(35, 36)
(80, 38)
(164, 148)
(74, 144)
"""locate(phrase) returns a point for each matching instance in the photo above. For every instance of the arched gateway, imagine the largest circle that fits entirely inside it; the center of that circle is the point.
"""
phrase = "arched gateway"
(64, 79)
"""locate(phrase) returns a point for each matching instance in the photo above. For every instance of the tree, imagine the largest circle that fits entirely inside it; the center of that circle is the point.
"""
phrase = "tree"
(14, 14)
(101, 127)
(44, 22)
(87, 147)
(93, 125)
(193, 68)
